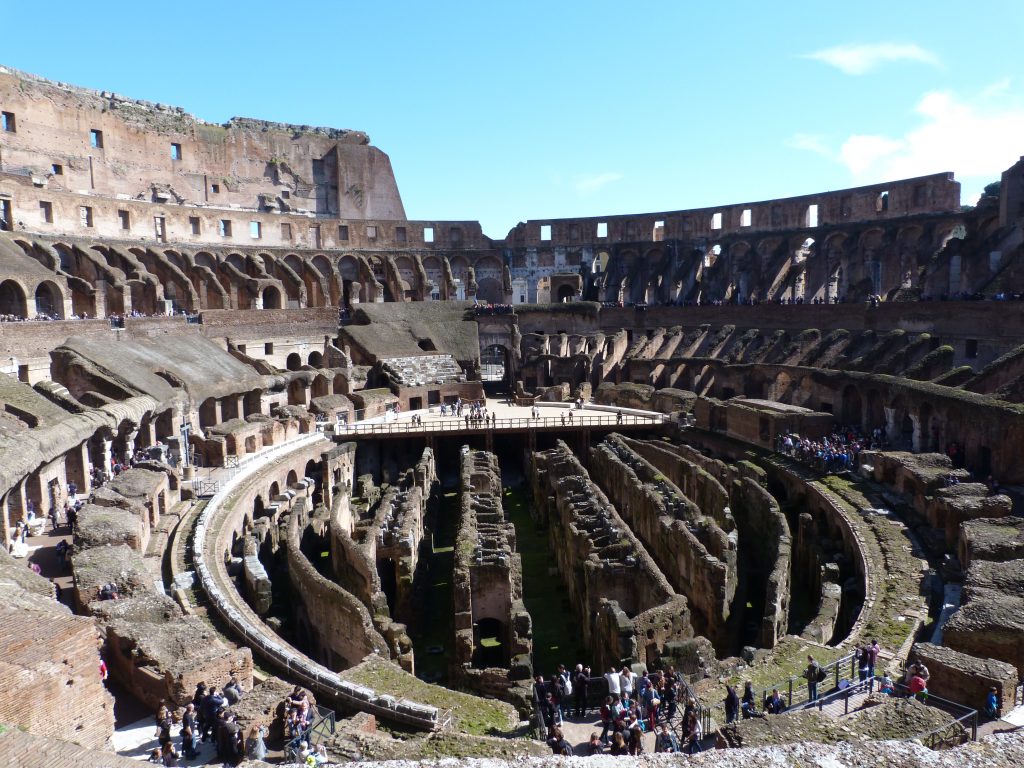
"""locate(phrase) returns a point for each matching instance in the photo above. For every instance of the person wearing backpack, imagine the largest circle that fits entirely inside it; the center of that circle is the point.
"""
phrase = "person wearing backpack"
(814, 674)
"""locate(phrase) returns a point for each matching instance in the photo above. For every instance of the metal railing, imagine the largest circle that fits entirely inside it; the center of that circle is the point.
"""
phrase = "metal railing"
(322, 727)
(965, 721)
(405, 426)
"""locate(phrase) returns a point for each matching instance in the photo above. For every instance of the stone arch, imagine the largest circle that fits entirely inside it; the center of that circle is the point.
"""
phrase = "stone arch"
(291, 479)
(12, 299)
(320, 386)
(316, 359)
(488, 290)
(49, 299)
(293, 362)
(271, 297)
(780, 387)
(901, 424)
(252, 402)
(565, 293)
(296, 392)
(927, 428)
(208, 412)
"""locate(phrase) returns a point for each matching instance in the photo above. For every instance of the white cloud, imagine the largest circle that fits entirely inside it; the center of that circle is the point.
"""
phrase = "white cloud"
(590, 183)
(812, 142)
(977, 139)
(970, 138)
(861, 59)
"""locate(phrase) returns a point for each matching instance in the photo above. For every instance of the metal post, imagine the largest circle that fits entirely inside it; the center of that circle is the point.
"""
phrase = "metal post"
(789, 703)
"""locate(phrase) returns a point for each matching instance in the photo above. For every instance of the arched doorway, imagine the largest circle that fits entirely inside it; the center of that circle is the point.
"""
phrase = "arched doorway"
(565, 293)
(271, 298)
(293, 362)
(316, 359)
(494, 363)
(12, 299)
(490, 648)
(49, 300)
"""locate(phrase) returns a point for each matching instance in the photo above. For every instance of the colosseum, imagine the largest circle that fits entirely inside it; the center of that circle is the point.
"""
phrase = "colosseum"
(379, 478)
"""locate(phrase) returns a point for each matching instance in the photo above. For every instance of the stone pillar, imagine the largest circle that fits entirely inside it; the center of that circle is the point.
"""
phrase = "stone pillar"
(891, 430)
(916, 439)
(107, 453)
(101, 298)
(129, 444)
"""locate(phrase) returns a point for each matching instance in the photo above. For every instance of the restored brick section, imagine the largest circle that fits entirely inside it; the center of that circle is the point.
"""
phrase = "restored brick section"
(49, 664)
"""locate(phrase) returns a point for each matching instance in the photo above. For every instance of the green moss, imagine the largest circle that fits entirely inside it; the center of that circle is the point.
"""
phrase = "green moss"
(470, 714)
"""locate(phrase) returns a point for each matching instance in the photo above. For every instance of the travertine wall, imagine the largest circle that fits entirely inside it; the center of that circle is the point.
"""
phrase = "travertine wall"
(966, 679)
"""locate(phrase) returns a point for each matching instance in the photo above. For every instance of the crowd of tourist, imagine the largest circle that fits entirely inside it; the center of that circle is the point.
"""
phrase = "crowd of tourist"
(485, 310)
(836, 452)
(633, 705)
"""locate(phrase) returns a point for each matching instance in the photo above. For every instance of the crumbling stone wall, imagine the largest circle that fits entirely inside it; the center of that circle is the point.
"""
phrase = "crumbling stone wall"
(488, 585)
(696, 554)
(966, 679)
(626, 609)
(341, 629)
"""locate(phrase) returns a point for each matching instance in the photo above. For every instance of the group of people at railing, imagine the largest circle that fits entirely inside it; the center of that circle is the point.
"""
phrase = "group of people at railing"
(837, 452)
(632, 706)
(485, 310)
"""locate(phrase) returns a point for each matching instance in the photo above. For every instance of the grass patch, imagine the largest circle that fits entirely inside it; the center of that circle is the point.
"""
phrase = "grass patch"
(471, 714)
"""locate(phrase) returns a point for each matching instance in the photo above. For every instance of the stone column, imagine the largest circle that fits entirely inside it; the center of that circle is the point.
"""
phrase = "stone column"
(915, 442)
(890, 423)
(107, 453)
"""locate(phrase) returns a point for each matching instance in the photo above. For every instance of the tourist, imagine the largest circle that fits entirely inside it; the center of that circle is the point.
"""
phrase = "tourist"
(863, 657)
(232, 692)
(874, 649)
(887, 687)
(155, 757)
(212, 702)
(255, 747)
(918, 687)
(580, 687)
(163, 725)
(595, 746)
(732, 704)
(614, 687)
(775, 704)
(665, 741)
(635, 737)
(189, 731)
(814, 674)
(626, 681)
(618, 745)
(606, 716)
(992, 703)
(558, 743)
(168, 754)
(748, 703)
(692, 733)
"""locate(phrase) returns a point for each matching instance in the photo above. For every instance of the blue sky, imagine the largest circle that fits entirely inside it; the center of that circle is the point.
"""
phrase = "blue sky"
(504, 112)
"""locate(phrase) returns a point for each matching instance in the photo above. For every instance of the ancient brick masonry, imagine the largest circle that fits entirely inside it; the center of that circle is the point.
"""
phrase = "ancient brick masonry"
(696, 554)
(488, 586)
(626, 609)
(49, 663)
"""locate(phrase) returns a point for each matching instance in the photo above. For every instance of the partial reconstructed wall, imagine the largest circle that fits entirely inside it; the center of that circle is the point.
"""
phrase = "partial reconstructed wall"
(49, 660)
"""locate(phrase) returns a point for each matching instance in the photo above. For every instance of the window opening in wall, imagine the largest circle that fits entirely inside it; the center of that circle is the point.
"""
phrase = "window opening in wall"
(574, 232)
(454, 236)
(96, 138)
(400, 236)
(428, 234)
(194, 225)
(716, 220)
(255, 230)
(58, 170)
(85, 215)
(812, 215)
(215, 189)
(46, 211)
(845, 207)
(882, 202)
(745, 218)
(6, 216)
(545, 231)
(224, 228)
(8, 122)
(175, 151)
(920, 195)
(314, 236)
(125, 218)
(286, 194)
(160, 227)
(602, 229)
(268, 348)
(776, 215)
(716, 249)
(971, 348)
(286, 231)
(371, 232)
(343, 232)
(659, 231)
